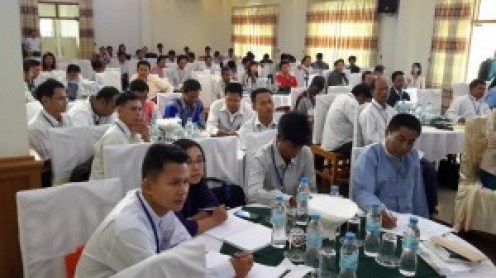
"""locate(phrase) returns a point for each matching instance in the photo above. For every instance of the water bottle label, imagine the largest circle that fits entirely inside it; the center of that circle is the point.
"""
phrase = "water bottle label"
(410, 243)
(314, 240)
(349, 261)
(373, 226)
(278, 219)
(303, 197)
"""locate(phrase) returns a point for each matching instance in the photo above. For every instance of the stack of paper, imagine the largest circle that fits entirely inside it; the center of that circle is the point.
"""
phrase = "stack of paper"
(241, 233)
(428, 228)
(257, 271)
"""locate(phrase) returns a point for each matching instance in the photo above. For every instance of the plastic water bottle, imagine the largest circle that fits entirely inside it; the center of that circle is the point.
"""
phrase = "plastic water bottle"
(411, 238)
(155, 131)
(278, 219)
(314, 241)
(348, 261)
(189, 129)
(373, 228)
(302, 197)
(334, 190)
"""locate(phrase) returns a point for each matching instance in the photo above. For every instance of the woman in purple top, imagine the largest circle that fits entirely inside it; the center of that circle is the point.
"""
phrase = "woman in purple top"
(201, 211)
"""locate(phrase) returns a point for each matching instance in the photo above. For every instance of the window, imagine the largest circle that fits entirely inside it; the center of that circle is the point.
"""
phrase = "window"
(482, 46)
(254, 29)
(59, 28)
(338, 29)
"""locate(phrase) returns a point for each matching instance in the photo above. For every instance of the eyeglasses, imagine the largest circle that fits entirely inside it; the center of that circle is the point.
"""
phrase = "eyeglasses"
(199, 161)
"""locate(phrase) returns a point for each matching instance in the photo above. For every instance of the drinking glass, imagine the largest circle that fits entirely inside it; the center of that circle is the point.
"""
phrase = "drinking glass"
(327, 263)
(387, 253)
(296, 241)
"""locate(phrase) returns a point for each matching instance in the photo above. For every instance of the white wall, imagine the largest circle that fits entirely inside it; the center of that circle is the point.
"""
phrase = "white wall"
(120, 21)
(13, 128)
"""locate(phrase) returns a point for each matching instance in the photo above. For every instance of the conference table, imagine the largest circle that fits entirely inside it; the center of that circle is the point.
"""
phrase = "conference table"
(437, 143)
(367, 267)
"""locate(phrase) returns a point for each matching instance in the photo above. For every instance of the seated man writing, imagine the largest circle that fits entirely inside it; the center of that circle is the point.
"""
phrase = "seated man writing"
(388, 172)
(278, 166)
(144, 223)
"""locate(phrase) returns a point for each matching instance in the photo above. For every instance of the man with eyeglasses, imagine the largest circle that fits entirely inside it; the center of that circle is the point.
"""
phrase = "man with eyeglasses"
(388, 173)
(53, 97)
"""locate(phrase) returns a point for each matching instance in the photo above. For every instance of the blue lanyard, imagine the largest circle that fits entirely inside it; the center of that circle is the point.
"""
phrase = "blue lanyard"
(48, 120)
(477, 109)
(151, 222)
(279, 178)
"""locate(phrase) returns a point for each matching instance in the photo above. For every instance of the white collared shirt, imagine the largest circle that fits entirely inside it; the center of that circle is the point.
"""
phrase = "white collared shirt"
(340, 118)
(219, 89)
(117, 134)
(155, 85)
(264, 183)
(83, 115)
(374, 120)
(254, 125)
(178, 76)
(38, 132)
(126, 237)
(467, 107)
(219, 117)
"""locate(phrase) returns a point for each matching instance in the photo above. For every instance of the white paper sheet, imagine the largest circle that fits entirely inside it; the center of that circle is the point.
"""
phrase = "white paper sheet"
(231, 226)
(252, 239)
(257, 271)
(428, 228)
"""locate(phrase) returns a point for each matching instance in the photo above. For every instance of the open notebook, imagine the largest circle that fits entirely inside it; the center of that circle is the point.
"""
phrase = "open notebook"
(242, 233)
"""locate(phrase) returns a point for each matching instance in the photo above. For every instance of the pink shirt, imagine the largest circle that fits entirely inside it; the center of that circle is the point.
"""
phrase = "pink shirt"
(147, 112)
(157, 70)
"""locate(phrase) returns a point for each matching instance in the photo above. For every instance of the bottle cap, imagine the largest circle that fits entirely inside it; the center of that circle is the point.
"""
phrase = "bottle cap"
(304, 180)
(350, 236)
(279, 198)
(375, 207)
(413, 220)
(315, 216)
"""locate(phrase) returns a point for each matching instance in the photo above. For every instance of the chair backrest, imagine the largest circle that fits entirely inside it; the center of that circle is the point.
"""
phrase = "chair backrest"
(357, 128)
(132, 66)
(354, 79)
(152, 61)
(205, 80)
(432, 96)
(413, 94)
(258, 139)
(184, 260)
(54, 221)
(338, 90)
(231, 195)
(32, 109)
(295, 92)
(62, 65)
(322, 104)
(110, 77)
(163, 99)
(85, 66)
(473, 150)
(55, 74)
(124, 161)
(460, 89)
(71, 147)
(355, 153)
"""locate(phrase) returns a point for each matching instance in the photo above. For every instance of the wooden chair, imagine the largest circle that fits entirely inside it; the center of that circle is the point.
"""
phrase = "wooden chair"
(331, 168)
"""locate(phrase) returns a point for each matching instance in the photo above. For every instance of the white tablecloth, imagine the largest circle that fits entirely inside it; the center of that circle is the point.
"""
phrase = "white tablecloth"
(220, 153)
(437, 143)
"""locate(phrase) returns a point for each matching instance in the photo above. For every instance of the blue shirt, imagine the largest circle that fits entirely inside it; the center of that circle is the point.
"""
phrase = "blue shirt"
(199, 196)
(380, 178)
(179, 107)
(491, 98)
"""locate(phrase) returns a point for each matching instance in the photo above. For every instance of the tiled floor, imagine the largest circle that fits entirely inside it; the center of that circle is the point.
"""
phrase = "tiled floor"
(446, 207)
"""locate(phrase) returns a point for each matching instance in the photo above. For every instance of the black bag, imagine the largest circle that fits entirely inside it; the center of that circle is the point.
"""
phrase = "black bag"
(82, 172)
(231, 195)
(448, 173)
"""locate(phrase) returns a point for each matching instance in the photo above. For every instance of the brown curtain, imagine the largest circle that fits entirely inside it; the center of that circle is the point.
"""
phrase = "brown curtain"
(254, 29)
(86, 31)
(450, 42)
(340, 28)
(29, 16)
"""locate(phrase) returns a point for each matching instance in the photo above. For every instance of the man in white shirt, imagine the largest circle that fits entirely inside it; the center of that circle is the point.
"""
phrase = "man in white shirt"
(52, 95)
(96, 110)
(227, 115)
(376, 115)
(278, 167)
(33, 43)
(144, 223)
(129, 128)
(76, 86)
(467, 107)
(304, 71)
(338, 129)
(123, 64)
(28, 68)
(220, 85)
(155, 83)
(263, 119)
(210, 66)
(180, 74)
